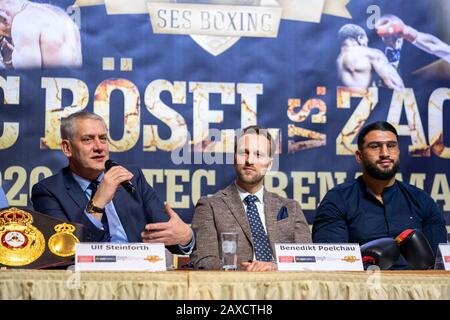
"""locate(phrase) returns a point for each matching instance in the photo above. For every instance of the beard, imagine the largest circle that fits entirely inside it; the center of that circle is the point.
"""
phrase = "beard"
(380, 174)
(249, 180)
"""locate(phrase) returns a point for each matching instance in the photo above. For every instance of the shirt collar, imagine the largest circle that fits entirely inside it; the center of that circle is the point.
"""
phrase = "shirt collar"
(243, 193)
(84, 183)
(388, 192)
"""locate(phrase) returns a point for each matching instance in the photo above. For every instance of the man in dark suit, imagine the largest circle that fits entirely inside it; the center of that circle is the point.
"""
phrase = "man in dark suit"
(84, 193)
(260, 218)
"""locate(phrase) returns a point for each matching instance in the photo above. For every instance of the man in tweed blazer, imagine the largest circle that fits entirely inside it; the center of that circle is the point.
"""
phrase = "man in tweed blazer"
(225, 211)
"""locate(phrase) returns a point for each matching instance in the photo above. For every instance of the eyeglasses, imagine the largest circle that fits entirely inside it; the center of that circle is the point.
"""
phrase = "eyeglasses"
(377, 146)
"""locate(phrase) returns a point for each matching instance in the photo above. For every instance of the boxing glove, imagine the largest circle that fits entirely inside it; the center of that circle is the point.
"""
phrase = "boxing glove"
(416, 249)
(389, 25)
(382, 252)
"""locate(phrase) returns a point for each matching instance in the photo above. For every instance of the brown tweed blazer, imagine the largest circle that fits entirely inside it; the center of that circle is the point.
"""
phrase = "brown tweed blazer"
(225, 212)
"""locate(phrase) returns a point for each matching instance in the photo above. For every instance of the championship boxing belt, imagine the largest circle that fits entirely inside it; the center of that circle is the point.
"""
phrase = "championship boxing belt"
(33, 240)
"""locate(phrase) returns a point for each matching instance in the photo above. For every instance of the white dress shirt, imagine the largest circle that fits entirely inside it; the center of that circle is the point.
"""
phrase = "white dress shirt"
(259, 203)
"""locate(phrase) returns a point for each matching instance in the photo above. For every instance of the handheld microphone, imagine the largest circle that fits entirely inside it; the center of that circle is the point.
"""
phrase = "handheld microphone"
(382, 252)
(126, 184)
(416, 249)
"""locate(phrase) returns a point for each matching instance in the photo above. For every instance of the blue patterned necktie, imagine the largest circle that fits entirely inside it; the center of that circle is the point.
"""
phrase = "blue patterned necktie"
(263, 252)
(93, 187)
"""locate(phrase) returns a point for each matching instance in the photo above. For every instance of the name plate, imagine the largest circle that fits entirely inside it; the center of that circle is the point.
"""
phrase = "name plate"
(443, 257)
(318, 256)
(120, 257)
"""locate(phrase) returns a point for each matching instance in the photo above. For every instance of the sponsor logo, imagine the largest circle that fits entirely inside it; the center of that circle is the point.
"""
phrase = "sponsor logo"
(85, 259)
(105, 259)
(447, 259)
(285, 259)
(350, 259)
(153, 259)
(302, 259)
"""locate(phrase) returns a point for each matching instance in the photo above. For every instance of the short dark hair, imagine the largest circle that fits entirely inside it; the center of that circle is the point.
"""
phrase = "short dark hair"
(350, 31)
(260, 132)
(378, 125)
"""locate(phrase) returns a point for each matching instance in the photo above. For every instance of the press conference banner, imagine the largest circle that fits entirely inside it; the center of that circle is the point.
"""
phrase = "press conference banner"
(175, 79)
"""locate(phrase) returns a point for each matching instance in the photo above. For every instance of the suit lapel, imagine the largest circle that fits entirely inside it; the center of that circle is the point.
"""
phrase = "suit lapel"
(122, 203)
(234, 203)
(74, 190)
(271, 207)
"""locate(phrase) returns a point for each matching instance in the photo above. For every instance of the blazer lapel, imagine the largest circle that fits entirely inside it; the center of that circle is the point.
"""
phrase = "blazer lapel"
(271, 207)
(122, 205)
(74, 190)
(234, 203)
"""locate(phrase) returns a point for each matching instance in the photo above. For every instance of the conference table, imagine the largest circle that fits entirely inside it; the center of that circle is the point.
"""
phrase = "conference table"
(223, 285)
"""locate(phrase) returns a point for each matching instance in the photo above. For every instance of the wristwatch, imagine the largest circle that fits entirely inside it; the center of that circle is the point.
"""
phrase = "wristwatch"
(91, 208)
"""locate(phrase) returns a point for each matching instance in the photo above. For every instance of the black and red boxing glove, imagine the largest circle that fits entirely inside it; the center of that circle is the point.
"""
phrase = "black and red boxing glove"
(382, 252)
(416, 249)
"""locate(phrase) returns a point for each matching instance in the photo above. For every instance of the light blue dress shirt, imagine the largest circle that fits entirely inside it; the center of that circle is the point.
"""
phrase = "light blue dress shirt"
(116, 229)
(3, 200)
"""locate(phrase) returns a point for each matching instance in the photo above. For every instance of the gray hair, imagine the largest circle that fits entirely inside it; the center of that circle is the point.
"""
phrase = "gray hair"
(350, 31)
(68, 125)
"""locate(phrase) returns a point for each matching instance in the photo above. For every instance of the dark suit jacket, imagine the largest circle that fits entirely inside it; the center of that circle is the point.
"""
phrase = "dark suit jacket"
(224, 212)
(60, 196)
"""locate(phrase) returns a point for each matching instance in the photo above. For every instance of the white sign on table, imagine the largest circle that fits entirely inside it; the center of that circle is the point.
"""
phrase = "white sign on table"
(443, 257)
(318, 256)
(120, 257)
